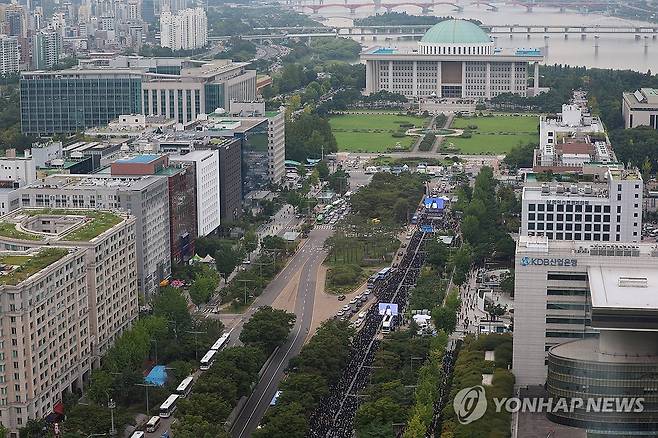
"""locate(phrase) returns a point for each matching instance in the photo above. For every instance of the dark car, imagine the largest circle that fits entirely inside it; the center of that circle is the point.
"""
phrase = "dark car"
(341, 297)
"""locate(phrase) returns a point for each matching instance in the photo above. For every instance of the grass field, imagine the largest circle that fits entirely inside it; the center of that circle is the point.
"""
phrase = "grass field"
(493, 135)
(372, 132)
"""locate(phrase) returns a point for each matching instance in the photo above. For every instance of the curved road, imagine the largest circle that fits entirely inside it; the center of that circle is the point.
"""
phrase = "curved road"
(308, 259)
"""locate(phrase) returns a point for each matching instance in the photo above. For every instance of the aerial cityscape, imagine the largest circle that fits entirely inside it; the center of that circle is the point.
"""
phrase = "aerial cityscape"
(329, 219)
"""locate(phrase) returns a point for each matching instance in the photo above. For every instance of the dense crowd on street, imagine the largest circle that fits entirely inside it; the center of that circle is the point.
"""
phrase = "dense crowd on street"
(334, 416)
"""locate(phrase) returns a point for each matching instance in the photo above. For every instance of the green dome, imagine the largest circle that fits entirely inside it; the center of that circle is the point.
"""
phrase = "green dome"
(455, 32)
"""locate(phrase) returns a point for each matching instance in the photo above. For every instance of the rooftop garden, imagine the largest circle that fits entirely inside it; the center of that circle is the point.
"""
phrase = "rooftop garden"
(29, 265)
(8, 229)
(101, 222)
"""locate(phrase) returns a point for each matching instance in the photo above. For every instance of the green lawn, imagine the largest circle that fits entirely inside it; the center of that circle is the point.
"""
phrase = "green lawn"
(30, 265)
(495, 135)
(372, 132)
(8, 229)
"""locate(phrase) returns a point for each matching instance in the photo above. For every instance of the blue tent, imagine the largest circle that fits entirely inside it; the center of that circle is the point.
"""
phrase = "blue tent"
(157, 376)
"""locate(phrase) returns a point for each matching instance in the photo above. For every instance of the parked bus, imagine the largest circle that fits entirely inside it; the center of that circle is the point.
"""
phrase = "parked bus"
(207, 360)
(275, 398)
(221, 342)
(169, 406)
(383, 273)
(387, 323)
(137, 434)
(153, 424)
(185, 386)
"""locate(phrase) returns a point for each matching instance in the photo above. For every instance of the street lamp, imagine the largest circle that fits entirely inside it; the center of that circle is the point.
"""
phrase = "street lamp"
(147, 385)
(112, 405)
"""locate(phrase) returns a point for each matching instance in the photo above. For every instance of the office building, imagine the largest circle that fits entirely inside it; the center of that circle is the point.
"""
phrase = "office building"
(46, 49)
(640, 108)
(186, 29)
(230, 179)
(560, 292)
(99, 91)
(454, 59)
(63, 305)
(10, 55)
(17, 171)
(206, 169)
(181, 182)
(622, 362)
(571, 140)
(68, 101)
(609, 210)
(145, 197)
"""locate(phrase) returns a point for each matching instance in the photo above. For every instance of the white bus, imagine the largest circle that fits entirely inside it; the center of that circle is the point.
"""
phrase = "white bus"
(387, 323)
(221, 342)
(185, 386)
(137, 434)
(207, 360)
(153, 424)
(169, 406)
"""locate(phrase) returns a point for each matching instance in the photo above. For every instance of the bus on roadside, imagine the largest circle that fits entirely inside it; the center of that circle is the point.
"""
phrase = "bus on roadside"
(207, 360)
(185, 386)
(153, 424)
(168, 407)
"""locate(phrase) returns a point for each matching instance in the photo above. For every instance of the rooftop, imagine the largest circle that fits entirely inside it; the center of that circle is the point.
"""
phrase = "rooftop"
(140, 159)
(58, 224)
(455, 32)
(623, 288)
(18, 267)
(588, 350)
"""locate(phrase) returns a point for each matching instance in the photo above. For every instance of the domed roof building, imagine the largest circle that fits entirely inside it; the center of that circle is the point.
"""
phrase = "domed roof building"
(454, 59)
(456, 36)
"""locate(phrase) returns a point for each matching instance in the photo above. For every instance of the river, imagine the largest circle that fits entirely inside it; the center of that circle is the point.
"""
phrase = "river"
(613, 51)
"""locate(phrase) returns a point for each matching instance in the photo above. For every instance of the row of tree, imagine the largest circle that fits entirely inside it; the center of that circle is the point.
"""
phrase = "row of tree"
(468, 371)
(310, 374)
(214, 395)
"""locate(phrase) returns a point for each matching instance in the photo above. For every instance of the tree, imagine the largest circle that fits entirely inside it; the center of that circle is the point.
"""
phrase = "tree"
(226, 260)
(444, 319)
(437, 253)
(194, 426)
(203, 287)
(210, 407)
(172, 306)
(250, 241)
(286, 421)
(323, 170)
(33, 429)
(267, 329)
(507, 283)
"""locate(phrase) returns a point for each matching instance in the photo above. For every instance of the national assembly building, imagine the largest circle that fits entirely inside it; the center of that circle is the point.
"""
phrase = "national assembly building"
(454, 59)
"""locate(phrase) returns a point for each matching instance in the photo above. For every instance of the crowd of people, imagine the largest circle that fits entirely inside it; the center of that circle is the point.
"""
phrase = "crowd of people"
(334, 417)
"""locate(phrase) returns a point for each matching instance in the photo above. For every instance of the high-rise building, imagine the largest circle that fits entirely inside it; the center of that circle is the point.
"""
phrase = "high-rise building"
(206, 169)
(46, 49)
(91, 95)
(454, 59)
(146, 197)
(181, 180)
(186, 29)
(610, 210)
(15, 21)
(10, 55)
(62, 306)
(230, 179)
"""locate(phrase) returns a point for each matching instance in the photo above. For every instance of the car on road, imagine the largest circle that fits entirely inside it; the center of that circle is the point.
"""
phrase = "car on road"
(366, 294)
(341, 297)
(362, 315)
(353, 301)
(340, 313)
(346, 308)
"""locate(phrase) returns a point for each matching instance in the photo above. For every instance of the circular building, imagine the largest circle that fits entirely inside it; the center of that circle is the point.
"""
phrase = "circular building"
(454, 59)
(456, 37)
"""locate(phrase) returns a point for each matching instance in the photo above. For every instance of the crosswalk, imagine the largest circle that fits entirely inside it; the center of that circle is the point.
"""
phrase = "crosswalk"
(324, 227)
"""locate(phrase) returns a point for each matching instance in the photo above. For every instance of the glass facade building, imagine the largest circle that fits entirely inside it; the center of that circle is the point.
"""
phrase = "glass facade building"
(255, 162)
(66, 103)
(579, 369)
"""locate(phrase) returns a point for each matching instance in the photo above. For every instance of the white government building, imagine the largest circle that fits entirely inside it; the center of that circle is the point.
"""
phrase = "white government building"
(454, 59)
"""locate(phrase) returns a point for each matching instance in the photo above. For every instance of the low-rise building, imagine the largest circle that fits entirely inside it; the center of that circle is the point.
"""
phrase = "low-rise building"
(640, 108)
(68, 290)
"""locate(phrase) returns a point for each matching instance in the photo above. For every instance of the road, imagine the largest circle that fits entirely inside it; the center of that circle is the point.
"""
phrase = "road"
(307, 261)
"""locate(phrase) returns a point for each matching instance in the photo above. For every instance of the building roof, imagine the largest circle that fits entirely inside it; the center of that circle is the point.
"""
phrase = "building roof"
(623, 288)
(139, 159)
(455, 32)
